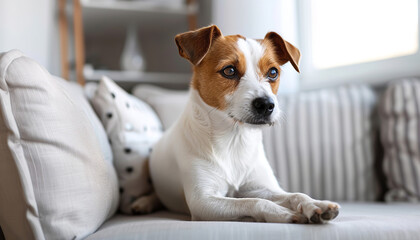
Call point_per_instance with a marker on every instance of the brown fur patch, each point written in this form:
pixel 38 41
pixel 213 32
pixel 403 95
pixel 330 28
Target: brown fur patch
pixel 269 60
pixel 212 86
pixel 209 51
pixel 208 81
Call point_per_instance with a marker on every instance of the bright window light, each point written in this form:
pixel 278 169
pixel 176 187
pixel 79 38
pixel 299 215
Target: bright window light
pixel 348 32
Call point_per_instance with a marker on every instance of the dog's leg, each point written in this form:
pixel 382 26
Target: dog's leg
pixel 214 208
pixel 315 210
pixel 205 195
pixel 146 204
pixel 262 184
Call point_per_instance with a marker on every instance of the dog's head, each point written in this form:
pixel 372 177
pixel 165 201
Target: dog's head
pixel 236 75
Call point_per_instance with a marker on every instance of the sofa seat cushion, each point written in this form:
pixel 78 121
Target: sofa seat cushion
pixel 356 221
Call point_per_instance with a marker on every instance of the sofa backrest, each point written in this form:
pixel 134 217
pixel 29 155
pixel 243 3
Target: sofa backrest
pixel 323 146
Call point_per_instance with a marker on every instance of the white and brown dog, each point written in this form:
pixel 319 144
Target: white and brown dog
pixel 211 162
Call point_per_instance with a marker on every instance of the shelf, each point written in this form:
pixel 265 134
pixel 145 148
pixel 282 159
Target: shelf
pixel 139 77
pixel 142 6
pixel 108 14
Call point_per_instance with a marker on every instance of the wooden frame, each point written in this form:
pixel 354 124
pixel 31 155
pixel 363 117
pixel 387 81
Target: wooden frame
pixel 79 44
pixel 78 40
pixel 192 18
pixel 63 28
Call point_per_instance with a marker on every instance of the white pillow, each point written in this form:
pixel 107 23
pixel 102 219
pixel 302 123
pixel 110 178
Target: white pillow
pixel 168 104
pixel 132 128
pixel 56 174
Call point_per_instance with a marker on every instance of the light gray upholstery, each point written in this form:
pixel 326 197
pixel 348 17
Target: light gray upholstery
pixel 356 221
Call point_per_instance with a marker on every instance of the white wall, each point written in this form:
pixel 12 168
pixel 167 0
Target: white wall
pixel 253 19
pixel 30 26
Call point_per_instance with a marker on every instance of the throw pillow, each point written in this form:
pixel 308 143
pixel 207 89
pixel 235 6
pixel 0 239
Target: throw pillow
pixel 400 135
pixel 132 128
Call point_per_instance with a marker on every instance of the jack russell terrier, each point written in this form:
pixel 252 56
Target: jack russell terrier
pixel 211 162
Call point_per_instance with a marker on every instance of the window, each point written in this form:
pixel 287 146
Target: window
pixel 358 40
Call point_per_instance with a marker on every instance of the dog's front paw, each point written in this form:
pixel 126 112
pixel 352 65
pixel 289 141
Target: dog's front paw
pixel 299 218
pixel 319 211
pixel 285 216
pixel 270 212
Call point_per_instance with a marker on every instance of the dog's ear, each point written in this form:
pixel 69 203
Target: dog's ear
pixel 284 50
pixel 194 45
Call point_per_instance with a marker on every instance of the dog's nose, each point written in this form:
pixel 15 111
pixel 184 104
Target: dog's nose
pixel 263 105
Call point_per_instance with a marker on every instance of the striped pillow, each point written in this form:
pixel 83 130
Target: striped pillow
pixel 400 135
pixel 324 146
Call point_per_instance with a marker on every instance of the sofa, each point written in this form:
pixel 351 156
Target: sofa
pixel 58 177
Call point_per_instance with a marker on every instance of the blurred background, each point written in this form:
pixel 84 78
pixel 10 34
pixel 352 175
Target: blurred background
pixel 342 41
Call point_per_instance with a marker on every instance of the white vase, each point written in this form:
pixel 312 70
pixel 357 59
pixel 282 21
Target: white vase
pixel 132 57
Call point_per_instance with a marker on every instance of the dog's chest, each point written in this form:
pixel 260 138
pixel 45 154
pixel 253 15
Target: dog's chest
pixel 235 159
pixel 234 172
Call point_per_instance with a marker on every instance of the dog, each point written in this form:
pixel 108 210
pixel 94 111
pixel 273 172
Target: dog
pixel 211 163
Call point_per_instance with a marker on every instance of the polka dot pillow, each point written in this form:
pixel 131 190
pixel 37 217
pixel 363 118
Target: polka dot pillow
pixel 132 128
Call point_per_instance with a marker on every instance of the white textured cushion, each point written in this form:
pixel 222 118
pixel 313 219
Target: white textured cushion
pixel 357 221
pixel 400 134
pixel 167 103
pixel 56 174
pixel 325 145
pixel 133 128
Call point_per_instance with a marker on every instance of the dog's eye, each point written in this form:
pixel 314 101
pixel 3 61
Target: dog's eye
pixel 272 74
pixel 229 72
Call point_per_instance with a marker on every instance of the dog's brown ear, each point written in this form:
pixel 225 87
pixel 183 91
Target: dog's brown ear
pixel 194 45
pixel 284 50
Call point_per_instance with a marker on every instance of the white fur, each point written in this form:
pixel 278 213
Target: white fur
pixel 253 84
pixel 214 168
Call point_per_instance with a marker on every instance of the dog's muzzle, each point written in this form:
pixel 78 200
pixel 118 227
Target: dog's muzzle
pixel 262 108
